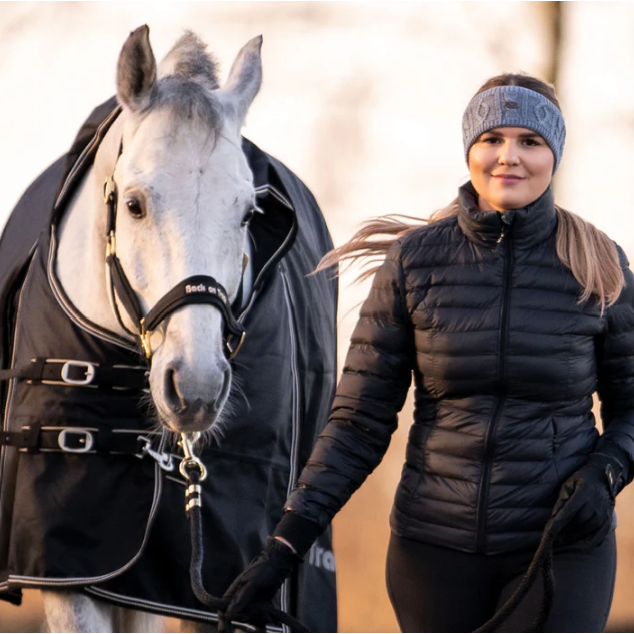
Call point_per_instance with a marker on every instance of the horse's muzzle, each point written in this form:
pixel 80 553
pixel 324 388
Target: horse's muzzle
pixel 194 405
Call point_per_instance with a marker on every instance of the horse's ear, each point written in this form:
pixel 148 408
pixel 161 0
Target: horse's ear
pixel 136 71
pixel 245 79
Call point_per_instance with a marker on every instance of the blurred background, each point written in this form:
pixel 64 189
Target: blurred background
pixel 364 102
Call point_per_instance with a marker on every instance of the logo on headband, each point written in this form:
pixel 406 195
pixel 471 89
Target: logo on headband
pixel 203 288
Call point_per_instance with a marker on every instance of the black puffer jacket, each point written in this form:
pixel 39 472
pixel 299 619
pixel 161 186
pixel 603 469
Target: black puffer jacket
pixel 505 361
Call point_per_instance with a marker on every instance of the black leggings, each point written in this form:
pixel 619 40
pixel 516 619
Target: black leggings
pixel 435 589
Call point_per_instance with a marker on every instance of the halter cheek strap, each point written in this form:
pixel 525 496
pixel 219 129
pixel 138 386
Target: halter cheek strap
pixel 197 289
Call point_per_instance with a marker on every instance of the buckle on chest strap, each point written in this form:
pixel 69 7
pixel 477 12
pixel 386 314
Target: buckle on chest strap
pixel 82 440
pixel 89 372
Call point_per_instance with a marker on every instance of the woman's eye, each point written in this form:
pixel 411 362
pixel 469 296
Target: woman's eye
pixel 248 216
pixel 532 142
pixel 490 139
pixel 135 208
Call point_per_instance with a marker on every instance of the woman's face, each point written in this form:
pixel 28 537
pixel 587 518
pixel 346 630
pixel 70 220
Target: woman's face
pixel 510 168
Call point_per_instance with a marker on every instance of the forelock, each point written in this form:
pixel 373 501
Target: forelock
pixel 187 77
pixel 189 102
pixel 189 58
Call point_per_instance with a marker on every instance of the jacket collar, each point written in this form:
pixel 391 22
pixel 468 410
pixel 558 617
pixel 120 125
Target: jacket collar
pixel 528 226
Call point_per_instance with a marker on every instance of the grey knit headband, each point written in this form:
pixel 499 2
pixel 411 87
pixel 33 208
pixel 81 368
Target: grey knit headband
pixel 514 106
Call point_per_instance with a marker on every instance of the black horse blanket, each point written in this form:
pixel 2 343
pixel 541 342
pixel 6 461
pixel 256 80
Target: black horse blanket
pixel 113 523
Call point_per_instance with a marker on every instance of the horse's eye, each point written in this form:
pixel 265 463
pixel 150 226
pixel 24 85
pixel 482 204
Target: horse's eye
pixel 248 216
pixel 135 208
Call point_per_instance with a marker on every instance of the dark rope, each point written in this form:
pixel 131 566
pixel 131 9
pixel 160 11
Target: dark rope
pixel 549 593
pixel 542 562
pixel 261 614
pixel 258 614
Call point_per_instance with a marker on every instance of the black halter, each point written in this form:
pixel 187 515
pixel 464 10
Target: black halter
pixel 198 289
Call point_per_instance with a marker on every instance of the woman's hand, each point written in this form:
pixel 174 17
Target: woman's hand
pixel 585 506
pixel 262 579
pixel 265 575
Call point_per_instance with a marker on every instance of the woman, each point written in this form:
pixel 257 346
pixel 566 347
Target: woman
pixel 509 312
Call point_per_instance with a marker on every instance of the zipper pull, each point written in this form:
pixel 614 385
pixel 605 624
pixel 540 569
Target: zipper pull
pixel 501 236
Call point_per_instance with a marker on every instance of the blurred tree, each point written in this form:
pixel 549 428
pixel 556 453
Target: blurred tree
pixel 553 17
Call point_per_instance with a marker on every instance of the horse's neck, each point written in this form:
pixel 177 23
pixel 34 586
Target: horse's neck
pixel 81 256
pixel 80 264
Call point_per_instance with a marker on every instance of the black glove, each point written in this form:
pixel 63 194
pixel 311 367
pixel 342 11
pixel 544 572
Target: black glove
pixel 585 506
pixel 267 572
pixel 262 579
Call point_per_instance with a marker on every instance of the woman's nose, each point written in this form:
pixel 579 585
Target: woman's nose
pixel 508 155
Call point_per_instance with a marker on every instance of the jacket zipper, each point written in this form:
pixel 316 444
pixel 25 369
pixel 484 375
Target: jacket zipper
pixel 501 393
pixel 286 588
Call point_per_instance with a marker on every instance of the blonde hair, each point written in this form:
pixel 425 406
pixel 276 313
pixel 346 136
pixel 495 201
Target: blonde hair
pixel 590 255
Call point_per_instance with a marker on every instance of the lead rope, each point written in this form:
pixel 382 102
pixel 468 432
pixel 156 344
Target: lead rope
pixel 542 561
pixel 260 614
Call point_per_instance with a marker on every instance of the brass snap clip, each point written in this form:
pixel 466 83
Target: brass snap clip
pixel 190 461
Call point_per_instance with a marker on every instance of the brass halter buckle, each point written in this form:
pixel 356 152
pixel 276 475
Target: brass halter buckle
pixel 108 188
pixel 234 351
pixel 111 245
pixel 146 339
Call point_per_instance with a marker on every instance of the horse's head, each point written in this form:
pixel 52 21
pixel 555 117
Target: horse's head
pixel 185 195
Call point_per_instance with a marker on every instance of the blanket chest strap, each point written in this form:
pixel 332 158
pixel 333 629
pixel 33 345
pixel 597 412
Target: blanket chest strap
pixel 35 438
pixel 76 373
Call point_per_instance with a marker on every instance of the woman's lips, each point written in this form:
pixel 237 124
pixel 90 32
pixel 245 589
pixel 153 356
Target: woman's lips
pixel 508 178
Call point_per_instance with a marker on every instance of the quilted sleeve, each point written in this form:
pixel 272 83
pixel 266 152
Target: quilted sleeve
pixel 615 360
pixel 371 392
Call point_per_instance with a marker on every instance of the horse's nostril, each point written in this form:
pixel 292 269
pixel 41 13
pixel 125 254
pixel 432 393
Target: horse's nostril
pixel 171 392
pixel 187 398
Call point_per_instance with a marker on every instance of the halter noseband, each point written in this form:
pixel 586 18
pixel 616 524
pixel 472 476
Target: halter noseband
pixel 198 289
